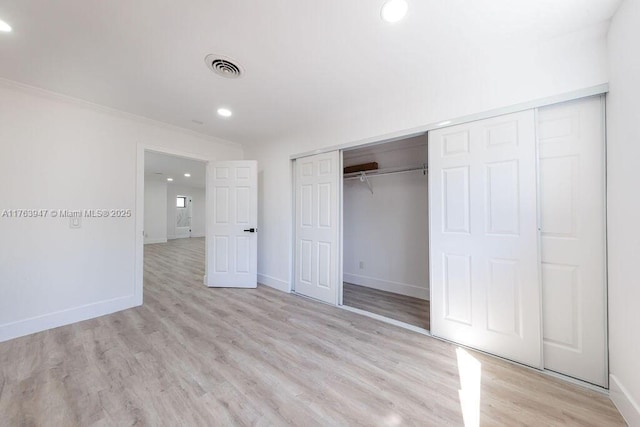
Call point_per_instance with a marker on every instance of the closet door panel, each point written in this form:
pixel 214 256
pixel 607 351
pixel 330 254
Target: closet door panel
pixel 572 204
pixel 484 238
pixel 316 248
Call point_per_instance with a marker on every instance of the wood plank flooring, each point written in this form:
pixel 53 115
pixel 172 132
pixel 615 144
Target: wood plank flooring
pixel 216 357
pixel 413 311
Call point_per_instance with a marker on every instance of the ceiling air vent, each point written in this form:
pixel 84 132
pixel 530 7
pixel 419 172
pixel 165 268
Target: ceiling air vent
pixel 223 66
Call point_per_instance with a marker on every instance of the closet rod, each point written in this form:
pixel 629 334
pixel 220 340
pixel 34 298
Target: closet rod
pixel 387 171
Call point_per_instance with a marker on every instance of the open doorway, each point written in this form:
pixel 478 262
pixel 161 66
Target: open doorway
pixel 385 230
pixel 174 195
pixel 385 237
pixel 174 221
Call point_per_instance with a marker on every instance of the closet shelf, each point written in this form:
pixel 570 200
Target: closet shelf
pixel 386 171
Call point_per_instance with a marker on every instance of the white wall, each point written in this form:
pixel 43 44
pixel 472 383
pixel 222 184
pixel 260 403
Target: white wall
pixel 388 232
pixel 57 153
pixel 155 211
pixel 623 152
pixel 197 209
pixel 494 79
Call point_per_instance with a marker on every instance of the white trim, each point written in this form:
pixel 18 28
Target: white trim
pixel 37 91
pixel 32 325
pixel 387 320
pixel 388 286
pixel 312 299
pixel 139 240
pixel 572 380
pixel 605 296
pixel 292 243
pixel 148 241
pixel 340 225
pixel 421 130
pixel 275 283
pixel 625 403
pixel 172 152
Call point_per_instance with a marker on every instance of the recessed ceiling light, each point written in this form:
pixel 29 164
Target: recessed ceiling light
pixel 187 175
pixel 224 112
pixel 394 10
pixel 444 123
pixel 4 27
pixel 169 179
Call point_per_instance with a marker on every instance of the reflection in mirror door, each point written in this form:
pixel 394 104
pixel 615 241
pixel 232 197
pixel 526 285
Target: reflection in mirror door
pixel 183 216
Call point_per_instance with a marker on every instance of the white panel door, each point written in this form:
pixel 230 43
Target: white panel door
pixel 183 216
pixel 232 240
pixel 572 203
pixel 316 240
pixel 484 237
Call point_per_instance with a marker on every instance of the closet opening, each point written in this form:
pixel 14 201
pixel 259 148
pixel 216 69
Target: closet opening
pixel 385 220
pixel 505 234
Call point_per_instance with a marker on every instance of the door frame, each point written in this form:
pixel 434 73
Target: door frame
pixel 138 288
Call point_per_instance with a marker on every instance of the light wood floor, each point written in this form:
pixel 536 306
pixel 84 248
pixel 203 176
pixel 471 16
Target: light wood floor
pixel 198 356
pixel 413 311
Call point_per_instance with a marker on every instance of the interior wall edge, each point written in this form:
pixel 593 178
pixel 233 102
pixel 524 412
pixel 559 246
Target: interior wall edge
pixel 275 283
pixel 620 396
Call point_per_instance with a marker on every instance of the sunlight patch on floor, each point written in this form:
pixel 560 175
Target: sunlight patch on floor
pixel 470 371
pixel 393 420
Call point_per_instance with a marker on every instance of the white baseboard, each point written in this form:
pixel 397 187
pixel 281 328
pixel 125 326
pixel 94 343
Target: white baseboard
pixel 272 282
pixel 197 235
pixel 625 403
pixel 180 237
pixel 148 241
pixel 385 285
pixel 32 325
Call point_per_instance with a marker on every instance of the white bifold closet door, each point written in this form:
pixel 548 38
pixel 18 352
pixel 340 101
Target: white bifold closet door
pixel 316 233
pixel 484 236
pixel 572 205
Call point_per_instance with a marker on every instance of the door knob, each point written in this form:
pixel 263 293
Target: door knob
pixel 250 230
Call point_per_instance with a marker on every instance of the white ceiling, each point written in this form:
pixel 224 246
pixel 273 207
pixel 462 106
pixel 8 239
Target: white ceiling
pixel 306 61
pixel 159 167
